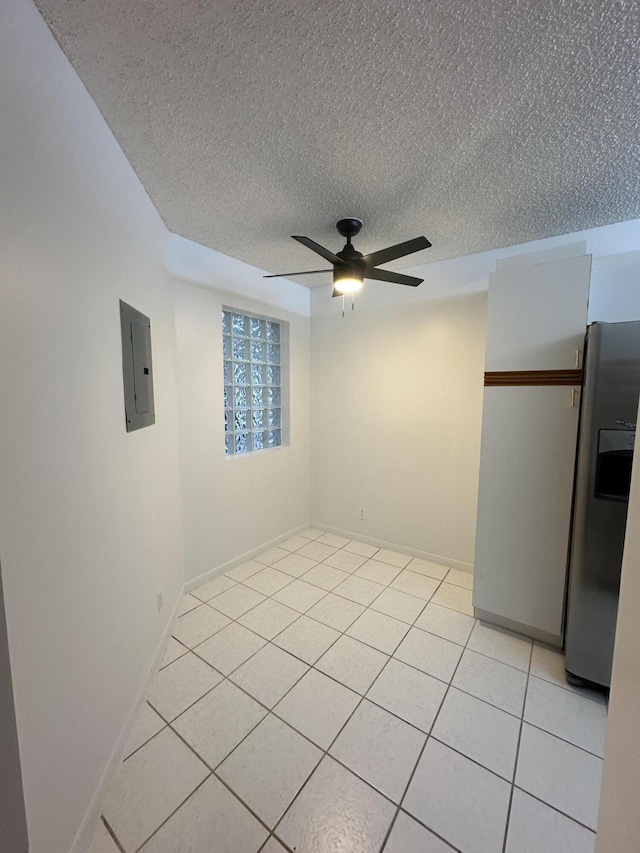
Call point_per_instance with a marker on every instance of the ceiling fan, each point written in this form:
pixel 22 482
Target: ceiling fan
pixel 350 267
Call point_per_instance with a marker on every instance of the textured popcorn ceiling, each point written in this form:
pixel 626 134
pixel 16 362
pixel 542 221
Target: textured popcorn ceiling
pixel 479 124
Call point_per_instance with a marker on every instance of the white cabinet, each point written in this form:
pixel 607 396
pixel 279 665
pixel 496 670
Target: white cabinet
pixel 536 322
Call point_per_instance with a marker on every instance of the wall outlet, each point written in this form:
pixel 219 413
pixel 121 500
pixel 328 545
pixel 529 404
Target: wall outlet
pixel 363 514
pixel 159 594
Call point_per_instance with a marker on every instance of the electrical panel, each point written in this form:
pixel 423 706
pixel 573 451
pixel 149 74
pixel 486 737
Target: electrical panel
pixel 137 369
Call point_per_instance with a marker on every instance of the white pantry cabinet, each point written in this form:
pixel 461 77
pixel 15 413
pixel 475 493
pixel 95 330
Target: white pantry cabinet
pixel 536 322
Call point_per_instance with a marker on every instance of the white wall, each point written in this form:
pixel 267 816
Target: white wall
pixel 232 505
pixel 615 288
pixel 396 408
pixel 89 515
pixel 619 819
pixel 397 392
pixel 196 264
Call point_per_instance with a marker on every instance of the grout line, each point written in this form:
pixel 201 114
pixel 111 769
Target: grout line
pixel 515 765
pixel 452 609
pixel 235 621
pixel 206 693
pixel 324 752
pixel 195 606
pixel 223 674
pixel 212 771
pixel 327 753
pixel 424 746
pixel 361 697
pixel 392 713
pixel 469 758
pixel 168 818
pixel 518 669
pixel 391 825
pixel 228 677
pixel 224 677
pixel 321 563
pixel 386 587
pixel 186 649
pixel 389 656
pixel 212 768
pixel 423 601
pixel 262 705
pixel 564 740
pixel 327 592
pixel 495 660
pixel 278 841
pixel 484 701
pixel 253 698
pixel 292 581
pixel 253 607
pixel 571 690
pixel 145 702
pixel 238 797
pixel 341 633
pixel 555 809
pixel 112 834
pixel 448 844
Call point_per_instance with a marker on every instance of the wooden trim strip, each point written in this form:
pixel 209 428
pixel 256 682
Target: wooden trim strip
pixel 532 377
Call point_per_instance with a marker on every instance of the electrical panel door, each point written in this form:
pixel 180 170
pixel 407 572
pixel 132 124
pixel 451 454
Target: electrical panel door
pixel 137 369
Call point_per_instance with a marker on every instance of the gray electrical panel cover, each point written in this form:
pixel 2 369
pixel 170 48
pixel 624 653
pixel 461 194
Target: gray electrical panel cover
pixel 136 368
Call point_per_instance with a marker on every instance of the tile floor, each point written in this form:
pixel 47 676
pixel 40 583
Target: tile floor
pixel 329 696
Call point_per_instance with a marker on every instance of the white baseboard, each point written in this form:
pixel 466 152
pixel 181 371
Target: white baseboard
pixel 555 640
pixel 90 820
pixel 391 546
pixel 194 583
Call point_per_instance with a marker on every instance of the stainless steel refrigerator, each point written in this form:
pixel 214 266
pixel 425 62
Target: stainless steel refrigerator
pixel 608 412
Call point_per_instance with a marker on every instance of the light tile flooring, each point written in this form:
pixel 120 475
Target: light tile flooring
pixel 329 696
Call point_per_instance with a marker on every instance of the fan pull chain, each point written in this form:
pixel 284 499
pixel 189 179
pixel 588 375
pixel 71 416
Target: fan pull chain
pixel 343 304
pixel 353 301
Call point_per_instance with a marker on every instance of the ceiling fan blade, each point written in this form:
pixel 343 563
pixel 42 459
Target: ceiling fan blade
pixel 397 251
pixel 393 277
pixel 318 249
pixel 288 274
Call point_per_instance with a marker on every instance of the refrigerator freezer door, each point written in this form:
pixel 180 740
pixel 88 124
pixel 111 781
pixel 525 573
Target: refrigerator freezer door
pixel 605 451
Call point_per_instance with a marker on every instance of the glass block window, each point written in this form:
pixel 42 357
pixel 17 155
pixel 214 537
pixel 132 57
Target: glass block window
pixel 252 382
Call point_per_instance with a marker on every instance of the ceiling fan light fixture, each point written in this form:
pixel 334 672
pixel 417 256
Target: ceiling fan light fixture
pixel 348 280
pixel 351 267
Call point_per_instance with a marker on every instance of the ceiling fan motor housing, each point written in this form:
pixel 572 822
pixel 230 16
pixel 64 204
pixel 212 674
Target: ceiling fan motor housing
pixel 349 227
pixel 351 256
